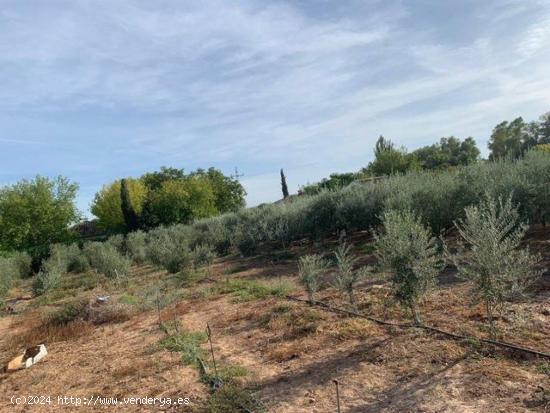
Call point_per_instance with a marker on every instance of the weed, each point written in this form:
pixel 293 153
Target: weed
pixel 544 368
pixel 128 299
pixel 186 343
pixel 233 398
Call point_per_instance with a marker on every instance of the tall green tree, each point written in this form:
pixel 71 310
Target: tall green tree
pixel 284 187
pixel 382 145
pixel 228 192
pixel 391 161
pixel 180 201
pixel 107 204
pixel 447 152
pixel 128 212
pixel 509 139
pixel 35 213
pixel 334 182
pixel 154 180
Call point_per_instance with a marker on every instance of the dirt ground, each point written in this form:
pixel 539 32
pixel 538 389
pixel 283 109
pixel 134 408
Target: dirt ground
pixel 293 352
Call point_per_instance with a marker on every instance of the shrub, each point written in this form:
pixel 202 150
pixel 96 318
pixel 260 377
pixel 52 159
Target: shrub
pixel 67 258
pixel 215 231
pixel 187 343
pixel 109 312
pixel 203 255
pixel 47 280
pixel 310 268
pixel 23 263
pixel 408 250
pixel 118 242
pixel 68 313
pixel 136 245
pixel 106 259
pixel 233 398
pixel 252 229
pixel 78 263
pixel 16 265
pixel 497 266
pixel 168 248
pixel 347 276
pixel 7 271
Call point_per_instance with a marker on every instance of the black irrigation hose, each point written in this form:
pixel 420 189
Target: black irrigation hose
pixel 424 327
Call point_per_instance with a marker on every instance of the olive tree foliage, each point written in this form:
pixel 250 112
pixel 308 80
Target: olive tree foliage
pixel 407 249
pixel 106 259
pixel 347 275
pixel 66 258
pixel 35 213
pixel 136 245
pixel 168 248
pixel 496 264
pixel 311 268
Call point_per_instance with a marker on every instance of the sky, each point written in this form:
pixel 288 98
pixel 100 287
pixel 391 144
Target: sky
pixel 103 89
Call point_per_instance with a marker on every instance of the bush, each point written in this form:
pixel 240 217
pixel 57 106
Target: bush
pixel 47 280
pixel 136 245
pixel 23 262
pixel 408 250
pixel 203 255
pixel 109 312
pixel 347 276
pixel 216 232
pixel 78 263
pixel 233 398
pixel 311 267
pixel 7 271
pixel 67 258
pixel 106 259
pixel 118 242
pixel 68 313
pixel 187 344
pixel 496 264
pixel 168 248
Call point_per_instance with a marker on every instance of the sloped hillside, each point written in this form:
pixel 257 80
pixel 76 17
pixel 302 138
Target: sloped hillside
pixel 273 354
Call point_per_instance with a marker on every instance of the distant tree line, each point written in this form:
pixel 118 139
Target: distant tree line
pixel 41 211
pixel 508 140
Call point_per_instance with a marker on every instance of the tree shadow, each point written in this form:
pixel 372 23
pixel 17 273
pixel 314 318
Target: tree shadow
pixel 321 372
pixel 402 397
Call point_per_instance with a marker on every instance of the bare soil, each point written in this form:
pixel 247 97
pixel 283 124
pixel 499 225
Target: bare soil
pixel 293 352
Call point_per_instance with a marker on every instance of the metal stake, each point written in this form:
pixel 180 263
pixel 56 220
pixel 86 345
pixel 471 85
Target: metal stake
pixel 209 334
pixel 336 382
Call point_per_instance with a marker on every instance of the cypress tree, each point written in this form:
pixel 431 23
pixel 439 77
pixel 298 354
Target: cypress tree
pixel 130 216
pixel 284 187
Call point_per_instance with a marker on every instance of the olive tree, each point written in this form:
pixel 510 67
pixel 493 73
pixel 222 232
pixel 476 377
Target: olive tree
pixel 310 268
pixel 346 275
pixel 498 267
pixel 408 250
